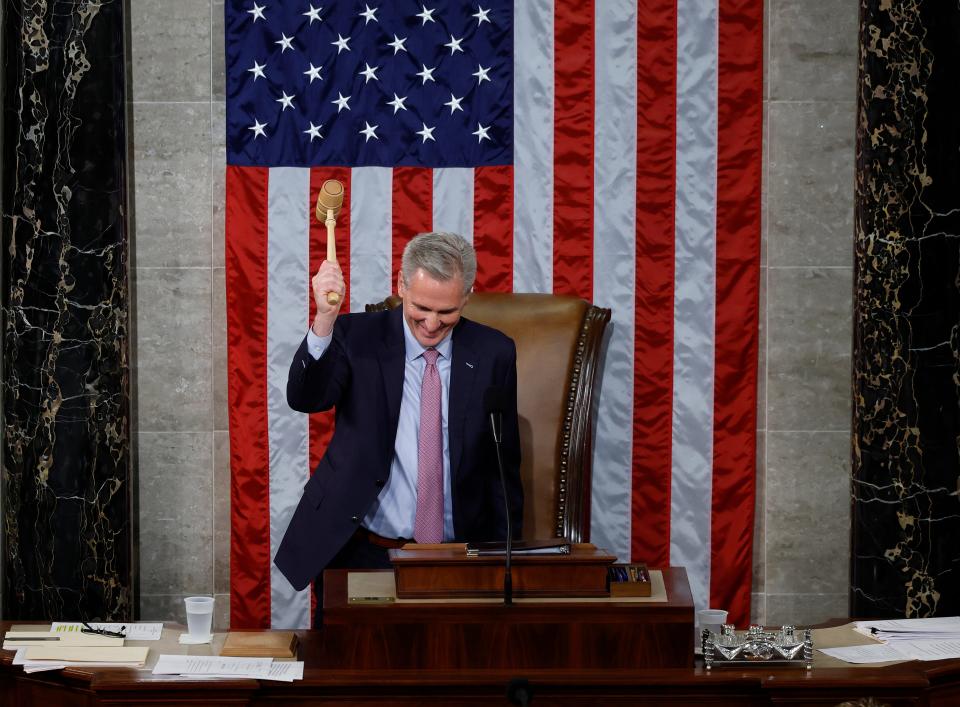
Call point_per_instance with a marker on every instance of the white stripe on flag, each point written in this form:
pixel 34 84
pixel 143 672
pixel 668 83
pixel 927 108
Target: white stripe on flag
pixel 614 253
pixel 694 293
pixel 453 201
pixel 288 251
pixel 371 228
pixel 533 146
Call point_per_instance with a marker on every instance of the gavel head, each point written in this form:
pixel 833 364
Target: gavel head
pixel 330 197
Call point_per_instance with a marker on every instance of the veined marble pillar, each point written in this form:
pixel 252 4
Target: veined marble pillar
pixel 67 532
pixel 906 359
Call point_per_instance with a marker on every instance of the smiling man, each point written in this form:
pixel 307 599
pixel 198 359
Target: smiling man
pixel 412 457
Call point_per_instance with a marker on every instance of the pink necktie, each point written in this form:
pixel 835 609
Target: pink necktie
pixel 428 523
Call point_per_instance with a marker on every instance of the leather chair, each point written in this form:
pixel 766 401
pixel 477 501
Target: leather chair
pixel 558 342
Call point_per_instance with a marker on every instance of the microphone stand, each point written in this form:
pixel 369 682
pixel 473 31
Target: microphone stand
pixel 507 572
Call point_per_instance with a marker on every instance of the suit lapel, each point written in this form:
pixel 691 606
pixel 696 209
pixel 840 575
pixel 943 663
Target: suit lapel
pixel 462 374
pixel 391 356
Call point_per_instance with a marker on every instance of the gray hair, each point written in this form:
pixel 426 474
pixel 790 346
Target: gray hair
pixel 443 256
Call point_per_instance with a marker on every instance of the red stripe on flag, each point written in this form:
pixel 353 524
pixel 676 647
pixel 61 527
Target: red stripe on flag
pixel 412 208
pixel 653 338
pixel 739 129
pixel 573 149
pixel 493 227
pixel 246 279
pixel 321 424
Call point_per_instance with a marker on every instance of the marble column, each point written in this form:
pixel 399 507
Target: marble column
pixel 67 532
pixel 906 358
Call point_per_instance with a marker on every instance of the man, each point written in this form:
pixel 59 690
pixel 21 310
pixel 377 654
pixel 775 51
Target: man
pixel 412 456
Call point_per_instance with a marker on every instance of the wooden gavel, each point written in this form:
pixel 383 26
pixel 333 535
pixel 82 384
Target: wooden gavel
pixel 329 202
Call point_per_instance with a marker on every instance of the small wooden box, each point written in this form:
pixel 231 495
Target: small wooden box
pixel 631 580
pixel 260 644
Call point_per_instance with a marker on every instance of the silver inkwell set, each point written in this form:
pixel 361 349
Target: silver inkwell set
pixel 754 646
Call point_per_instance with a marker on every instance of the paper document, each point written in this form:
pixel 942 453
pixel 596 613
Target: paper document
pixel 229 667
pixel 931 650
pixel 213 665
pixel 876 653
pixel 896 650
pixel 134 631
pixel 34 667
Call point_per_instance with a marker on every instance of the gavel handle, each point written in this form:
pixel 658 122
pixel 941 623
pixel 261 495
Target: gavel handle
pixel 332 297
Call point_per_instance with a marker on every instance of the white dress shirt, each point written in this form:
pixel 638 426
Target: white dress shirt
pixel 392 514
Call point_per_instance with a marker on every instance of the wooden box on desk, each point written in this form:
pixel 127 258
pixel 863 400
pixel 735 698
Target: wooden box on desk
pixel 604 633
pixel 448 572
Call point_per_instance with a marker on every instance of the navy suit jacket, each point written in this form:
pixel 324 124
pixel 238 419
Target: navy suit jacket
pixel 361 375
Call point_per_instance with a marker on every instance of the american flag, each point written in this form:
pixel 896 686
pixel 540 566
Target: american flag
pixel 607 149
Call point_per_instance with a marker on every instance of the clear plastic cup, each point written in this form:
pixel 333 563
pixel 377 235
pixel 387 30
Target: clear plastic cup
pixel 713 619
pixel 199 616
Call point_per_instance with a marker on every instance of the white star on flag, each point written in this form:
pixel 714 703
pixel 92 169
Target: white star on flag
pixel 370 131
pixel 426 15
pixel 454 104
pixel 454 45
pixel 397 103
pixel 397 44
pixel 313 72
pixel 314 14
pixel 285 42
pixel 258 70
pixel 481 74
pixel 427 74
pixel 257 128
pixel 341 43
pixel 369 14
pixel 370 72
pixel 427 133
pixel 481 15
pixel 286 101
pixel 481 133
pixel 341 102
pixel 257 12
pixel 314 131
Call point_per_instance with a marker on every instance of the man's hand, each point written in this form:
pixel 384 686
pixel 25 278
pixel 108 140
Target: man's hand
pixel 329 278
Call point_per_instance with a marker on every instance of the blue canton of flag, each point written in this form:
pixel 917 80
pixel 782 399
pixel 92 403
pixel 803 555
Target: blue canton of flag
pixel 387 83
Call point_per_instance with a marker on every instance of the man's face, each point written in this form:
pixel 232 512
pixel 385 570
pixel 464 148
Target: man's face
pixel 431 307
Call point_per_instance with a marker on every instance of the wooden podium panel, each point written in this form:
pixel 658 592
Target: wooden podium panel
pixel 567 634
pixel 450 573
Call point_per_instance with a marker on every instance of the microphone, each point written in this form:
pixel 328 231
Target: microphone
pixel 494 402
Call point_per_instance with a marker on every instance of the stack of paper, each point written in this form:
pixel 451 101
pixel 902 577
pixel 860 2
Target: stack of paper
pixel 66 644
pixel 940 628
pixel 37 658
pixel 213 666
pixel 904 639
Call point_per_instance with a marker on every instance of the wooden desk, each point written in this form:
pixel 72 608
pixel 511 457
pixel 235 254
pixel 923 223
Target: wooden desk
pixel 916 684
pixel 344 673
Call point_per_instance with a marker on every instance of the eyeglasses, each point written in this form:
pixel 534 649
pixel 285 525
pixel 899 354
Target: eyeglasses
pixel 87 628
